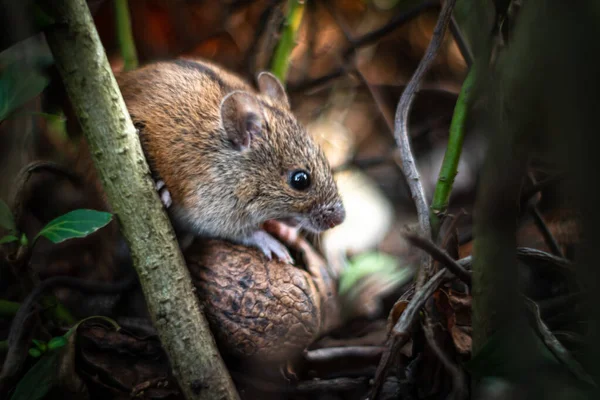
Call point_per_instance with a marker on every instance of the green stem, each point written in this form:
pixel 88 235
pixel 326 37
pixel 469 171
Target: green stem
pixel 281 59
pixel 126 42
pixel 449 168
pixel 8 308
pixel 3 346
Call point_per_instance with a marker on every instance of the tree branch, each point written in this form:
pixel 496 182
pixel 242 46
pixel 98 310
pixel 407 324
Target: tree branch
pixel 125 176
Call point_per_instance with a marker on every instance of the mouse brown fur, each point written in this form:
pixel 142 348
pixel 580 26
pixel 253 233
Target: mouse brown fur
pixel 227 152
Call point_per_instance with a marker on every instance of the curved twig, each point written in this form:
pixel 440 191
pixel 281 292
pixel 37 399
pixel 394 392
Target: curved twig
pixel 459 389
pixel 440 256
pixel 526 254
pixel 559 351
pixel 401 331
pixel 461 42
pixel 364 40
pixel 16 201
pixel 303 387
pixel 401 134
pixel 329 353
pixel 541 225
pixel 17 347
pixel 395 23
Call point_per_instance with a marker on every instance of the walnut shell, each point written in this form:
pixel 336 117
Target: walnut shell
pixel 257 308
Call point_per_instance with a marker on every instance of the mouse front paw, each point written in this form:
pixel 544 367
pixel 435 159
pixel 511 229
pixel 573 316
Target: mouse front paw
pixel 269 246
pixel 165 196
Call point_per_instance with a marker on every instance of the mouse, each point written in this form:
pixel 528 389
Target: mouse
pixel 228 157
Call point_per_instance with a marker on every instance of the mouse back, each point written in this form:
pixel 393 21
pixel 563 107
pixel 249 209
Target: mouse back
pixel 231 156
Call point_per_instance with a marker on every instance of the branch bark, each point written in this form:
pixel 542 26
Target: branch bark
pixel 413 178
pixel 125 176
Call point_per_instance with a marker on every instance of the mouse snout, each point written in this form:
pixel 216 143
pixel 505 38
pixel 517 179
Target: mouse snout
pixel 331 215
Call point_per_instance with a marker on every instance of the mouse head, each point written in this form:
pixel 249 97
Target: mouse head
pixel 284 174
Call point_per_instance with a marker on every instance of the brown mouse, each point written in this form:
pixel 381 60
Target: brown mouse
pixel 231 157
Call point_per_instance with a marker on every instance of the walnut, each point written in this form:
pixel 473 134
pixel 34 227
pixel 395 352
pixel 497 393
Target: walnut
pixel 262 309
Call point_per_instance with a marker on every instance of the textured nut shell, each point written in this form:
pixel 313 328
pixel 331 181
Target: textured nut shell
pixel 257 308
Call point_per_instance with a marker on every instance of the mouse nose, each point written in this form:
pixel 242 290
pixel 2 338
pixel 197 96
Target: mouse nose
pixel 334 215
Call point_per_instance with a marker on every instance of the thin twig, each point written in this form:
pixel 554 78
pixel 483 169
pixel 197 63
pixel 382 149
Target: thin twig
pixel 362 41
pixel 401 332
pixel 17 197
pixel 559 351
pixel 450 229
pixel 402 136
pixel 395 23
pixel 269 21
pixel 526 254
pixel 314 83
pixel 538 187
pixel 459 390
pixel 19 327
pixel 381 106
pixel 552 306
pixel 539 222
pixel 331 385
pixel 462 44
pixel 365 163
pixel 545 231
pixel 312 386
pixel 327 354
pixel 440 256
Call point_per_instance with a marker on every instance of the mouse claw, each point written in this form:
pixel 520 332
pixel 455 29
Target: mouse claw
pixel 165 196
pixel 269 246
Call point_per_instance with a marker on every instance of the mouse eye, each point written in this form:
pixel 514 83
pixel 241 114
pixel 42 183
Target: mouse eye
pixel 300 180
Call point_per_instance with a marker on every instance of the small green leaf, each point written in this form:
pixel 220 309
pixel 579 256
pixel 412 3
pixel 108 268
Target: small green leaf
pixel 8 239
pixel 74 224
pixel 39 379
pixel 7 220
pixel 41 345
pixel 19 84
pixel 8 308
pixel 57 342
pixel 369 264
pixel 76 326
pixel 24 241
pixel 35 353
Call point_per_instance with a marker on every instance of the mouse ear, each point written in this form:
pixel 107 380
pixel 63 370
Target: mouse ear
pixel 241 117
pixel 269 85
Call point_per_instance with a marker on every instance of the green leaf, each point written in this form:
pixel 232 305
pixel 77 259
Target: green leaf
pixel 8 308
pixel 372 263
pixel 8 239
pixel 24 241
pixel 41 345
pixel 7 220
pixel 35 353
pixel 39 379
pixel 74 224
pixel 76 326
pixel 57 342
pixel 18 84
